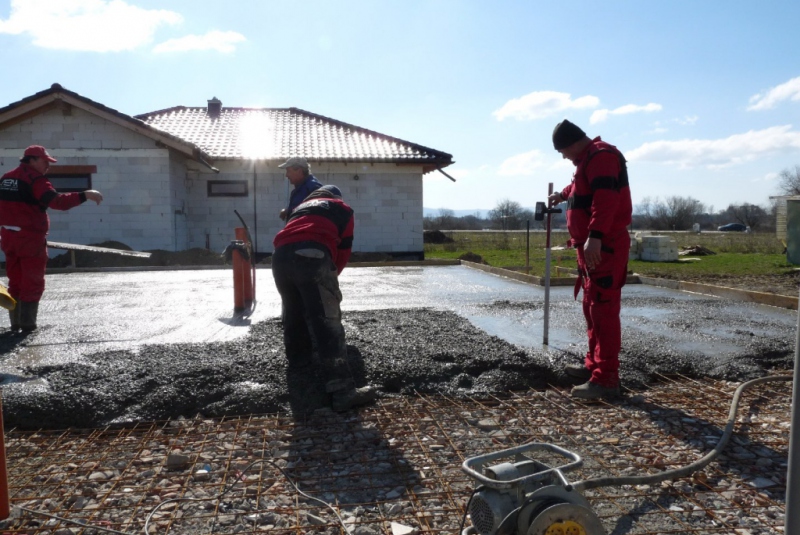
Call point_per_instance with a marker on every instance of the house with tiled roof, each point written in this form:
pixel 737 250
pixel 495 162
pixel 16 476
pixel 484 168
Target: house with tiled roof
pixel 172 178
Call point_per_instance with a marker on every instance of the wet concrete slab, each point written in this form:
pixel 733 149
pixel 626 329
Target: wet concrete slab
pixel 157 344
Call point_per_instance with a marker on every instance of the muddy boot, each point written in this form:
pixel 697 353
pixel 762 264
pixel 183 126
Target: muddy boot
pixel 13 318
pixel 344 400
pixel 27 315
pixel 579 372
pixel 338 385
pixel 592 390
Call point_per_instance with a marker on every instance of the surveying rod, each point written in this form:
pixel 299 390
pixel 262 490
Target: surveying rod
pixel 541 210
pixel 792 519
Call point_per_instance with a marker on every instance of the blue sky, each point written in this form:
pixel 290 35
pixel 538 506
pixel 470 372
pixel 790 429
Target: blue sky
pixel 702 97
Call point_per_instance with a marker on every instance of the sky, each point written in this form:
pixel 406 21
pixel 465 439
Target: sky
pixel 703 98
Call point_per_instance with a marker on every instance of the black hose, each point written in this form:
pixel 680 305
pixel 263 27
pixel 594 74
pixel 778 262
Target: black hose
pixel 690 468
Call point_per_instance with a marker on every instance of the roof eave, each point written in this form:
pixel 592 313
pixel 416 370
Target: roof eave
pixel 56 94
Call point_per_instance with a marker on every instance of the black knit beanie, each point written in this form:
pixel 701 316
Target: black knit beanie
pixel 565 134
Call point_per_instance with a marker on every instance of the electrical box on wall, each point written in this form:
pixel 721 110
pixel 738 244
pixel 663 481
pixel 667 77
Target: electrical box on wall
pixel 793 231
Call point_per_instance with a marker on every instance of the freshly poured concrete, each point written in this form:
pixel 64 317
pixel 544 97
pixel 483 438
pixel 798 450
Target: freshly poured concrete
pixel 158 344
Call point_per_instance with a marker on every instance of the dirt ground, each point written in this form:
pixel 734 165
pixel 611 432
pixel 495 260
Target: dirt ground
pixel 788 284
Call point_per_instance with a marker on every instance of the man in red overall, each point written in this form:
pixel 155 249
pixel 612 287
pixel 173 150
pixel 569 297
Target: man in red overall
pixel 25 196
pixel 598 213
pixel 310 253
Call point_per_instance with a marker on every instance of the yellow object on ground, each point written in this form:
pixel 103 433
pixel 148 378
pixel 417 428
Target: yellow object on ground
pixel 6 301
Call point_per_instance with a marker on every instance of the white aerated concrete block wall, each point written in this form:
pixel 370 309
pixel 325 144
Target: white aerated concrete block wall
pixel 386 200
pixel 132 173
pixel 658 249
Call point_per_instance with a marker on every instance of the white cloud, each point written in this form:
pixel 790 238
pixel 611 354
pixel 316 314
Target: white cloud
pixel 769 177
pixel 687 121
pixel 213 40
pixel 719 153
pixel 85 25
pixel 522 164
pixel 786 91
pixel 601 115
pixel 541 104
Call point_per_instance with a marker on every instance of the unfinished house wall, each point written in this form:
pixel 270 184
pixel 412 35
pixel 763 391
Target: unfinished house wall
pixel 132 173
pixel 211 219
pixel 177 187
pixel 386 199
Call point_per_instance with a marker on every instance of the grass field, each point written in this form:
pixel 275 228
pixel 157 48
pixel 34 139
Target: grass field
pixel 738 253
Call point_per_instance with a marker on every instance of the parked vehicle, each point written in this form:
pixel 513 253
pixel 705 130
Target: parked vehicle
pixel 733 227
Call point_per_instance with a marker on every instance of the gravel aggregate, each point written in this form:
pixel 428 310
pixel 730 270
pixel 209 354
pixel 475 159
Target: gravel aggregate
pixel 402 351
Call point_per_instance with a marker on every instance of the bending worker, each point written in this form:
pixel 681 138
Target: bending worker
pixel 310 253
pixel 25 196
pixel 298 173
pixel 598 213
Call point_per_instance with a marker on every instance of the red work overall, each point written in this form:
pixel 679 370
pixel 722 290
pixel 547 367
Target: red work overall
pixel 599 206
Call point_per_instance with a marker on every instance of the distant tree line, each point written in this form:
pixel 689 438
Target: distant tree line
pixel 670 213
pixel 507 215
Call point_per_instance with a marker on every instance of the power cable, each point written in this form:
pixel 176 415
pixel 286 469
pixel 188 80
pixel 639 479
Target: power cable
pixel 690 468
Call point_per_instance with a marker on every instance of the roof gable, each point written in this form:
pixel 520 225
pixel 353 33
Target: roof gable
pixel 57 96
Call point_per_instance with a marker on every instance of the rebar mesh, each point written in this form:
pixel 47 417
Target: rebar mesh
pixel 400 461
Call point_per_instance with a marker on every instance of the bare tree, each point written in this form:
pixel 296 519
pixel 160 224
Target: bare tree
pixel 673 213
pixel 446 219
pixel 747 214
pixel 789 181
pixel 507 215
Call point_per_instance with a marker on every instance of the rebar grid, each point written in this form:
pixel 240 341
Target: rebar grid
pixel 400 461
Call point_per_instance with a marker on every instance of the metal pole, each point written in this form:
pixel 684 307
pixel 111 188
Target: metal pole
pixel 255 215
pixel 546 338
pixel 792 519
pixel 528 247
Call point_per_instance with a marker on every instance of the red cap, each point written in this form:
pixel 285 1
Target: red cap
pixel 39 152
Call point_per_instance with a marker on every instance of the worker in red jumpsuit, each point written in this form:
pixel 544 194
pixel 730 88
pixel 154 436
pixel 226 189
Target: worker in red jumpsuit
pixel 598 214
pixel 25 196
pixel 310 253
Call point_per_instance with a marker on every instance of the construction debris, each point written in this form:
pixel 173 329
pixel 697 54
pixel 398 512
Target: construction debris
pixel 695 250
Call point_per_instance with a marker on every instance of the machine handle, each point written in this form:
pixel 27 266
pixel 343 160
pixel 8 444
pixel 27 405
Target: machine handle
pixel 473 465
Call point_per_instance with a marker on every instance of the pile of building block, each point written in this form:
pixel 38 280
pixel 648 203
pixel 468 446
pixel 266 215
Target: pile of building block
pixel 654 249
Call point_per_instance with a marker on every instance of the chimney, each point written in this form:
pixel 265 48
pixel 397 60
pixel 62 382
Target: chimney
pixel 214 107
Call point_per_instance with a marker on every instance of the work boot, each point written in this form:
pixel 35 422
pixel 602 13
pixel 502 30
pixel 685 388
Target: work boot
pixel 338 385
pixel 590 390
pixel 344 400
pixel 13 318
pixel 578 372
pixel 27 315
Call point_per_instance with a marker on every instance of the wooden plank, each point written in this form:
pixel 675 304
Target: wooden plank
pixel 93 249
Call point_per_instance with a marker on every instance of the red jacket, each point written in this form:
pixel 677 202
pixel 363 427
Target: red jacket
pixel 25 196
pixel 599 198
pixel 326 221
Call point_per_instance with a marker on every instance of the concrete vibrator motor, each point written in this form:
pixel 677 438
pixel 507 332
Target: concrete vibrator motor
pixel 524 496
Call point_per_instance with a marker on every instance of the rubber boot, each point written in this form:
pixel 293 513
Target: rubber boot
pixel 344 397
pixel 344 400
pixel 27 315
pixel 13 318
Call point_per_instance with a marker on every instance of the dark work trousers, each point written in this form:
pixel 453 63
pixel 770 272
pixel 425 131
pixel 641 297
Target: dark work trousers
pixel 26 260
pixel 602 293
pixel 308 283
